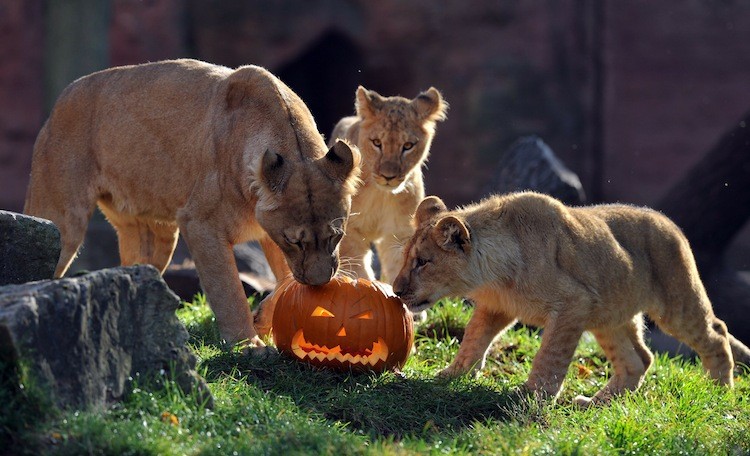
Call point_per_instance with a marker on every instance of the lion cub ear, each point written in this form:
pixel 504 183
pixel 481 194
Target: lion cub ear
pixel 274 171
pixel 451 234
pixel 430 105
pixel 341 162
pixel 429 208
pixel 368 102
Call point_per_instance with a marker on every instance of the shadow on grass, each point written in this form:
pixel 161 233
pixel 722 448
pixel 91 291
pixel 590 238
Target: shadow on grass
pixel 381 405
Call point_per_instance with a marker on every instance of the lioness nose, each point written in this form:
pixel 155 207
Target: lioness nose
pixel 388 177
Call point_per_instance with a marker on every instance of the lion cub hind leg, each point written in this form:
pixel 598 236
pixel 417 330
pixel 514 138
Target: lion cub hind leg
pixel 705 334
pixel 630 358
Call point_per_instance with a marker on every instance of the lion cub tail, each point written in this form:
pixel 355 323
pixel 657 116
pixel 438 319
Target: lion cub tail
pixel 740 351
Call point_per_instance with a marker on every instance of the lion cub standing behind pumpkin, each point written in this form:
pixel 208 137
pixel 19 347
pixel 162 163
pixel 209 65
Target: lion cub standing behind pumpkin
pixel 393 135
pixel 526 256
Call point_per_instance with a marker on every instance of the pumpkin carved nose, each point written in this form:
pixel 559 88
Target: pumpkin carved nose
pixel 342 332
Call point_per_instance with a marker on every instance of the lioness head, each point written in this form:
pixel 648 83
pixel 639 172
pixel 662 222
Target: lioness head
pixel 304 207
pixel 395 133
pixel 436 257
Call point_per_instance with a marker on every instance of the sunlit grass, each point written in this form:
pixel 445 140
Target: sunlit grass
pixel 279 406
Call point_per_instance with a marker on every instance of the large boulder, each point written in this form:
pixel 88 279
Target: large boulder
pixel 83 339
pixel 530 164
pixel 29 248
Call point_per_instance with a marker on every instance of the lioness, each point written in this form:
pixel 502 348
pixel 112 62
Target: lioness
pixel 222 156
pixel 526 256
pixel 394 136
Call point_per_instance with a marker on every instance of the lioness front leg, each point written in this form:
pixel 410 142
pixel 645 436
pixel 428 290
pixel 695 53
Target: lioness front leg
pixel 485 324
pixel 216 267
pixel 559 341
pixel 263 318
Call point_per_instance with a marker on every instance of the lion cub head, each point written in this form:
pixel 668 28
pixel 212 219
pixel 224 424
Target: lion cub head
pixel 395 134
pixel 436 258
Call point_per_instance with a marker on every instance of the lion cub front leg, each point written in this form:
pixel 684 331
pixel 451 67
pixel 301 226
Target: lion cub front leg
pixel 559 341
pixel 355 255
pixel 485 324
pixel 216 267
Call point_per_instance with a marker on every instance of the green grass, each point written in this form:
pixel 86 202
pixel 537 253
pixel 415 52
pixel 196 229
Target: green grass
pixel 279 406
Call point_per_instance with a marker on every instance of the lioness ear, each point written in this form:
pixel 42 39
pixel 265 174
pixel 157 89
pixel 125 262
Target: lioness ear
pixel 430 105
pixel 429 208
pixel 341 161
pixel 368 102
pixel 274 171
pixel 452 235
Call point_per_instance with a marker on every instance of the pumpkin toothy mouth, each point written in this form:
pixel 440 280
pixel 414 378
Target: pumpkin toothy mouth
pixel 304 349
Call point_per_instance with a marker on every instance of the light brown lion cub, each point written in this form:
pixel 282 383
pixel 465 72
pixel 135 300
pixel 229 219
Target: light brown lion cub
pixel 526 256
pixel 393 135
pixel 222 156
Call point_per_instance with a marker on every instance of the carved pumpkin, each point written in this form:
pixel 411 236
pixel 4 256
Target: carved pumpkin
pixel 345 324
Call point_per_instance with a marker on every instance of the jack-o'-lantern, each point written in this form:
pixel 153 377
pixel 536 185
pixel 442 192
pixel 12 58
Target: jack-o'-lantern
pixel 344 324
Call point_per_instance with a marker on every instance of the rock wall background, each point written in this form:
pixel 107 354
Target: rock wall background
pixel 628 94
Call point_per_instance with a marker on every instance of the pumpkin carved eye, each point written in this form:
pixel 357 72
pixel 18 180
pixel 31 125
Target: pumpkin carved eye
pixel 321 312
pixel 366 315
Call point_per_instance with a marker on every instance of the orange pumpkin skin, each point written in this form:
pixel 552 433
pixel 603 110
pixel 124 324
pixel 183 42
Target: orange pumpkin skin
pixel 345 324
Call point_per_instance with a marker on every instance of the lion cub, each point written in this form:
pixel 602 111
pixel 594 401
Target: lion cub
pixel 393 135
pixel 527 257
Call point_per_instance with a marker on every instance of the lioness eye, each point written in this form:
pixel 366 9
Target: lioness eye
pixel 376 142
pixel 408 146
pixel 421 262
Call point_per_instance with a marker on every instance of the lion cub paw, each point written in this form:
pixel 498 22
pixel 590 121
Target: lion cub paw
pixel 452 371
pixel 585 402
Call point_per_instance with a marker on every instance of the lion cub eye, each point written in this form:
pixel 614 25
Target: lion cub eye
pixel 376 142
pixel 321 312
pixel 408 146
pixel 420 262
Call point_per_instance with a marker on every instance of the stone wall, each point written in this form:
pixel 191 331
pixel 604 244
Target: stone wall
pixel 628 94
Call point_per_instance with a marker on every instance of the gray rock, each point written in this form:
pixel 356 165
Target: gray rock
pixel 29 248
pixel 529 164
pixel 83 339
pixel 251 259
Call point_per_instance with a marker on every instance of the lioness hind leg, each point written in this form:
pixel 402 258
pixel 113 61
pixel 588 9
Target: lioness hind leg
pixel 142 241
pixel 708 336
pixel 70 217
pixel 630 358
pixel 164 240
